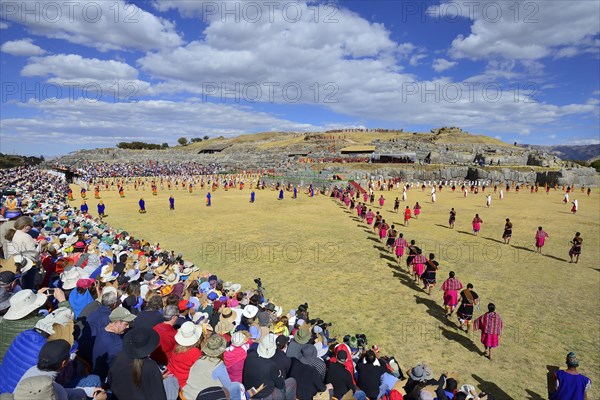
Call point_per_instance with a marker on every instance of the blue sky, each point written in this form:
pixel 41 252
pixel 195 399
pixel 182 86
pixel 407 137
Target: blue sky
pixel 94 73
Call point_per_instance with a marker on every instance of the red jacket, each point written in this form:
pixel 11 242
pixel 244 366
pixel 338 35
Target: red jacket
pixel 166 345
pixel 181 363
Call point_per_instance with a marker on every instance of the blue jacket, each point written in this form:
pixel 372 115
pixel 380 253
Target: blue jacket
pixel 21 355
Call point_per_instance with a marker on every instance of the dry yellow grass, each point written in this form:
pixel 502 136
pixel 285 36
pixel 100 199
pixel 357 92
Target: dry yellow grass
pixel 311 249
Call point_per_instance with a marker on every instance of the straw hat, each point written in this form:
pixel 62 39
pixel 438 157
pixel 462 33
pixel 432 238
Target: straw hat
pixel 189 334
pixel 143 264
pixel 227 314
pixel 224 327
pixel 172 278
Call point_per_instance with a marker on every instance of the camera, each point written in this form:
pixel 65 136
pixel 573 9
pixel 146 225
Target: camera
pixel 321 323
pixel 361 340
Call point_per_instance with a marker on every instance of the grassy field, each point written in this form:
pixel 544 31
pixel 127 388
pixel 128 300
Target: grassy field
pixel 312 249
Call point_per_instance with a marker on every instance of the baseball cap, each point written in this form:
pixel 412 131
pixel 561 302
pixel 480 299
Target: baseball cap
pixel 85 283
pixel 121 314
pixel 184 305
pixel 7 277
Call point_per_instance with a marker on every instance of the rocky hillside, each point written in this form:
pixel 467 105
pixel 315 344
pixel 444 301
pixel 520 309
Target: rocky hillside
pixel 448 153
pixel 587 153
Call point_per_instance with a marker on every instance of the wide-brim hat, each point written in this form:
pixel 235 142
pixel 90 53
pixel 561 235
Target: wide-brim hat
pixel 238 339
pixel 188 334
pixel 303 334
pixel 5 296
pixel 227 314
pixel 200 317
pixel 224 327
pixel 107 273
pixel 267 346
pixel 214 346
pixel 35 388
pixel 308 354
pixel 24 302
pixel 25 262
pixel 250 311
pixel 235 287
pixel 133 274
pixel 466 389
pixel 140 342
pixel 421 373
pixel 172 278
pixel 70 277
pixel 143 264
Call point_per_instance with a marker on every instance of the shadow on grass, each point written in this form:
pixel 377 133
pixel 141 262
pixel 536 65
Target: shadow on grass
pixel 533 395
pixel 435 310
pixel 373 239
pixel 442 226
pixel 493 240
pixel 491 388
pixel 466 233
pixel 386 256
pixel 369 231
pixel 555 258
pixel 464 341
pixel 524 248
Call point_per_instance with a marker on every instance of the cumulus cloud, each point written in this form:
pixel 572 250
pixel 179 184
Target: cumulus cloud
pixel 104 25
pixel 523 30
pixel 99 123
pixel 23 47
pixel 441 64
pixel 73 66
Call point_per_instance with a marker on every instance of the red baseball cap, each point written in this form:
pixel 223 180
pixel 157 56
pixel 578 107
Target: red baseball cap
pixel 185 305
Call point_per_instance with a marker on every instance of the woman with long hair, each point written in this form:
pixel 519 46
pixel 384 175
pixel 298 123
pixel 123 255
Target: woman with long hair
pixel 186 352
pixel 133 374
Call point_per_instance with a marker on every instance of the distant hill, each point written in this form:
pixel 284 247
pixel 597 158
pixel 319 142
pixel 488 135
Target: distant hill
pixel 577 153
pixel 12 160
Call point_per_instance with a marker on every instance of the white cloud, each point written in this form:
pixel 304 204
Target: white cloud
pixel 441 64
pixel 523 30
pixel 104 25
pixel 566 52
pixel 23 47
pixel 3 25
pixel 73 66
pixel 582 142
pixel 369 81
pixel 415 60
pixel 60 121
